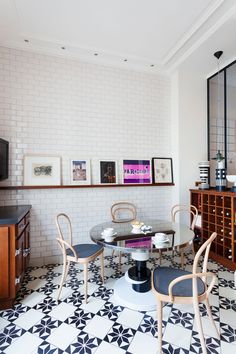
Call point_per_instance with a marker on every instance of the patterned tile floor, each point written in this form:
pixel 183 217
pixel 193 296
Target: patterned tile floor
pixel 40 324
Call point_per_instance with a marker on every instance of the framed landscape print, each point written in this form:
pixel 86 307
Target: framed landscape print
pixel 162 170
pixel 42 170
pixel 136 171
pixel 80 171
pixel 108 172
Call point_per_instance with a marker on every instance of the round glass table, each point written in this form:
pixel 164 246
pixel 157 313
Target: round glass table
pixel 134 289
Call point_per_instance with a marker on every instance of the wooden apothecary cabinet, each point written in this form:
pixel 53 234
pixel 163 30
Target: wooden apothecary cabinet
pixel 14 251
pixel 217 213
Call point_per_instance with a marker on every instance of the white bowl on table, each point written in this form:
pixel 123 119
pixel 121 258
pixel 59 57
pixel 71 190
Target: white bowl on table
pixel 160 237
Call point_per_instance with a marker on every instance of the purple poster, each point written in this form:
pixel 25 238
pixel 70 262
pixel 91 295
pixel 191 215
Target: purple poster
pixel 137 171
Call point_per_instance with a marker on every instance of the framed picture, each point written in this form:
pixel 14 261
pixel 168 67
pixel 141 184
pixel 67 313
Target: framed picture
pixel 137 171
pixel 80 171
pixel 42 170
pixel 162 170
pixel 108 172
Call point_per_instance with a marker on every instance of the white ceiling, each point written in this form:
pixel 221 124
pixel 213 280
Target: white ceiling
pixel 144 34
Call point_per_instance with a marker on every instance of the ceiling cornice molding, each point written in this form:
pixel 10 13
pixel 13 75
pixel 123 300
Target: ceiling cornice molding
pixel 212 29
pixel 98 61
pixel 187 36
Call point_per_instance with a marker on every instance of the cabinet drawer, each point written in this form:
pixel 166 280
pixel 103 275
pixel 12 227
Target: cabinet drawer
pixel 20 227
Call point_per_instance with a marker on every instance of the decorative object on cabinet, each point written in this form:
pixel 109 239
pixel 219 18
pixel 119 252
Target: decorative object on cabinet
pixel 14 251
pixel 162 170
pixel 42 170
pixel 108 172
pixel 80 171
pixel 217 210
pixel 204 167
pixel 232 179
pixel 136 171
pixel 220 172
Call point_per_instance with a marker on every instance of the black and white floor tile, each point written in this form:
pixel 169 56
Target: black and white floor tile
pixel 38 323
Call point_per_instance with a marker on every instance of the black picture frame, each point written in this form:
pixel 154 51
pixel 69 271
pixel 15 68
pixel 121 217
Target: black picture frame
pixel 108 172
pixel 162 170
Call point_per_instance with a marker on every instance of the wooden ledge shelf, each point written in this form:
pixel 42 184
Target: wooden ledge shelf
pixel 86 186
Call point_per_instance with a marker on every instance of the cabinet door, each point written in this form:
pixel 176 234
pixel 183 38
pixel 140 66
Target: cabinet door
pixel 4 262
pixel 19 260
pixel 26 251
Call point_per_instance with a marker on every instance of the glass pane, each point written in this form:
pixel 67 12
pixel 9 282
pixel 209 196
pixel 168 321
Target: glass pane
pixel 216 121
pixel 231 119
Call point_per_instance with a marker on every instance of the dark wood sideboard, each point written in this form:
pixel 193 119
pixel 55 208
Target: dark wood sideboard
pixel 14 251
pixel 217 211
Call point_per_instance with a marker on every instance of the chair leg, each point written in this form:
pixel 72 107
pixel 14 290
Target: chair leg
pixel 211 318
pixel 119 260
pixel 182 257
pixel 85 282
pixel 63 278
pixel 160 256
pixel 159 325
pixel 67 269
pixel 102 267
pixel 193 250
pixel 199 325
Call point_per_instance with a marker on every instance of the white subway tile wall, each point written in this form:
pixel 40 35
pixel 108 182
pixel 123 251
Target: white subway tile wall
pixel 72 109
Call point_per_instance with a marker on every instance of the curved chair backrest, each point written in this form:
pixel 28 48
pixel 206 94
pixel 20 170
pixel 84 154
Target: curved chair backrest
pixel 63 218
pixel 185 208
pixel 205 247
pixel 121 208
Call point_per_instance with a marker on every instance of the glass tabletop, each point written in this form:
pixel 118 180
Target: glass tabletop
pixel 127 241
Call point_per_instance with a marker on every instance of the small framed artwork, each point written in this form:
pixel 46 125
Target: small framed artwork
pixel 137 171
pixel 108 172
pixel 42 170
pixel 162 170
pixel 80 171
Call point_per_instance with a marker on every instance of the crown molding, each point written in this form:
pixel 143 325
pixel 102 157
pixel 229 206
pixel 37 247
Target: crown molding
pixel 206 35
pixel 186 37
pixel 89 58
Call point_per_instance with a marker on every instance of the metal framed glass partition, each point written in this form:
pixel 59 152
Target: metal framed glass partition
pixel 221 106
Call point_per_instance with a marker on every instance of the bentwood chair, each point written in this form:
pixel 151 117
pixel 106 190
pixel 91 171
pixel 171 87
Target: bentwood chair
pixel 80 253
pixel 179 286
pixel 122 212
pixel 192 210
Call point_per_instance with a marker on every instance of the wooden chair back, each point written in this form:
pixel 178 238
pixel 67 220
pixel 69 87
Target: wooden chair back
pixel 123 208
pixel 205 247
pixel 64 242
pixel 185 208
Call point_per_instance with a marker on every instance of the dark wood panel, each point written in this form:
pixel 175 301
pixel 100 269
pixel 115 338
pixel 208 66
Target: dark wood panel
pixel 4 262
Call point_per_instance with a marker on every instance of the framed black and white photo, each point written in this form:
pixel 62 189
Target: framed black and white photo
pixel 162 170
pixel 42 170
pixel 80 171
pixel 108 172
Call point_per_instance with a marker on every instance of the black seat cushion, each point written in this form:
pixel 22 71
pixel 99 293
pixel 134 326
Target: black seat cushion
pixel 84 250
pixel 163 276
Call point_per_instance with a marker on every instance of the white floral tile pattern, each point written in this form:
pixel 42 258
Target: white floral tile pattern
pixel 102 326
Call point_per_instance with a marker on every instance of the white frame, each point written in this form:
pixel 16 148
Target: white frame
pixel 116 171
pixel 88 172
pixel 31 180
pixel 123 175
